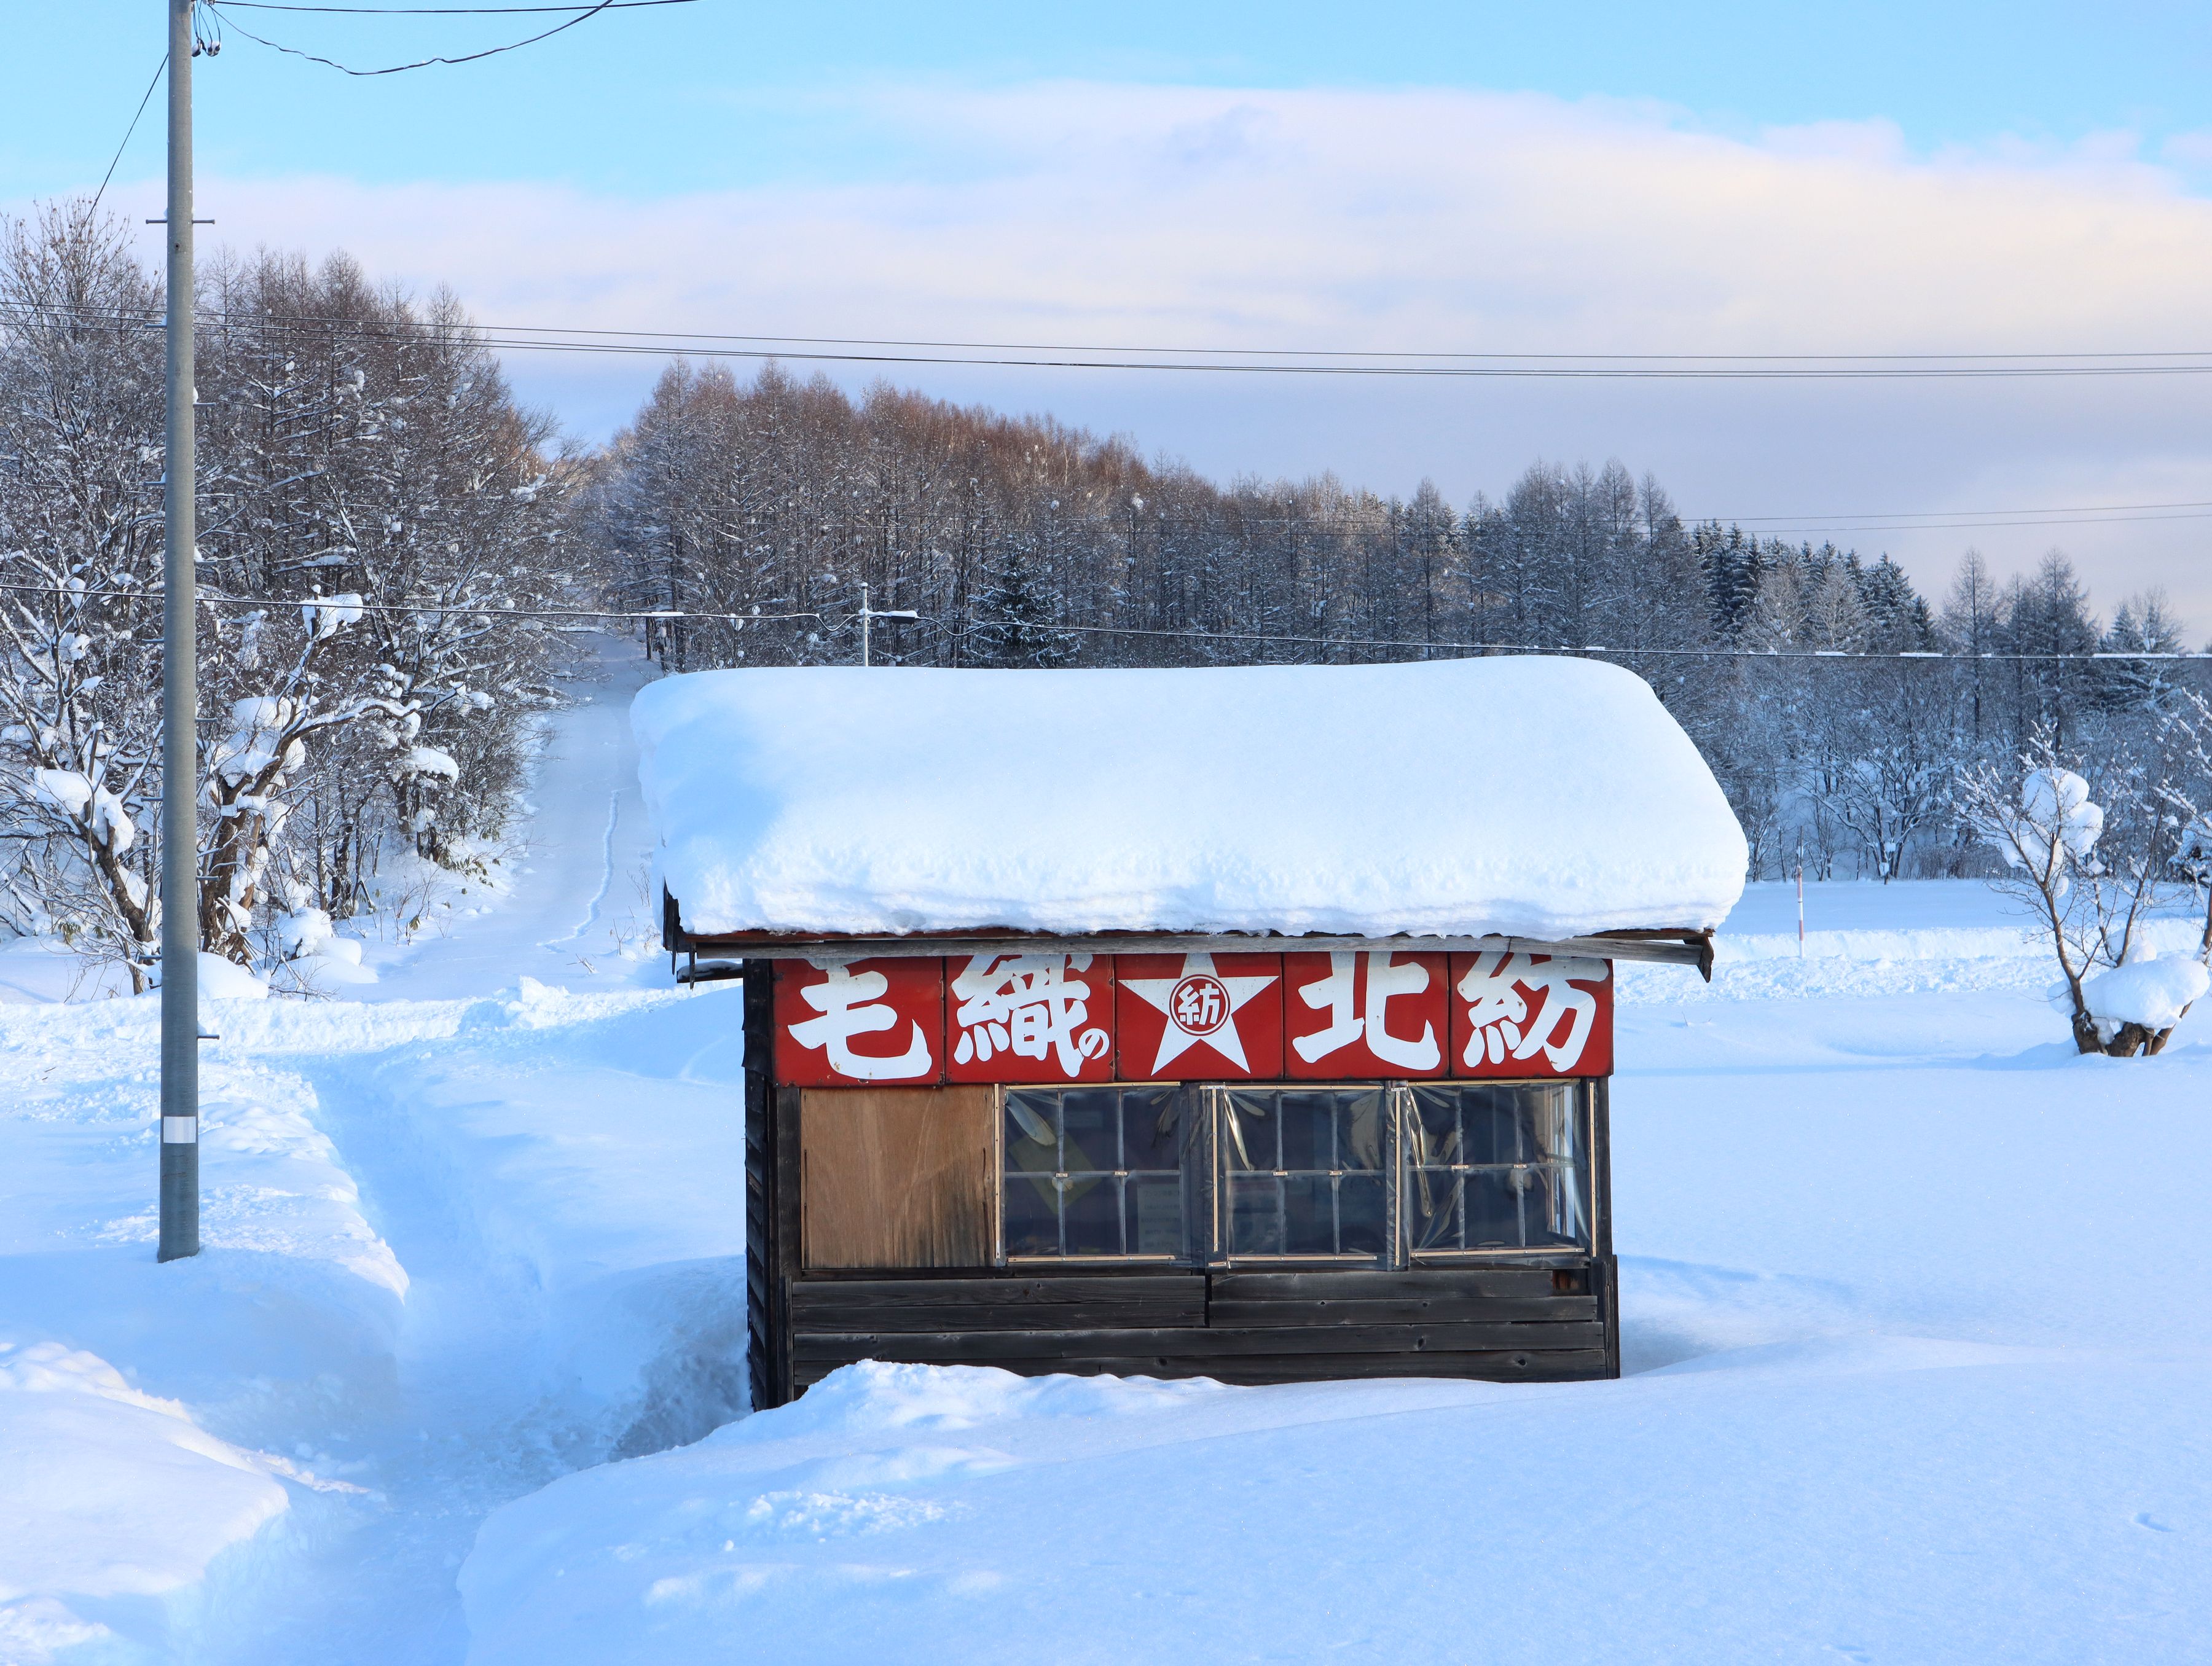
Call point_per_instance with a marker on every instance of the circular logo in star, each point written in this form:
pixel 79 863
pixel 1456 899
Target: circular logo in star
pixel 1199 1004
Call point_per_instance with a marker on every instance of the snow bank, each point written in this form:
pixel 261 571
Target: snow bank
pixel 1544 796
pixel 1873 1499
pixel 110 1492
pixel 2149 991
pixel 226 980
pixel 321 957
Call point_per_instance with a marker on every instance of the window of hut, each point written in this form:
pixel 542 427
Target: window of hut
pixel 1094 1171
pixel 1495 1167
pixel 1306 1171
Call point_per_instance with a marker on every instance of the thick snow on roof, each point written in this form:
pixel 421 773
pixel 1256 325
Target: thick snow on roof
pixel 1528 796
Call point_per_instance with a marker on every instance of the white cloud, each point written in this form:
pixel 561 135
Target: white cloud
pixel 1426 219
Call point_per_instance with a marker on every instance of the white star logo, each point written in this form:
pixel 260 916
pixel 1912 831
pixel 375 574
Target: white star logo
pixel 1200 1005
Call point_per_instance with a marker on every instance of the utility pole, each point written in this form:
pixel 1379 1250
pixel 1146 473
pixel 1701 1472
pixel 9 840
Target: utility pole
pixel 869 615
pixel 180 889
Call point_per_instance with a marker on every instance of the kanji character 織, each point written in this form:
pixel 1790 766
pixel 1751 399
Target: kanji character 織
pixel 1025 1005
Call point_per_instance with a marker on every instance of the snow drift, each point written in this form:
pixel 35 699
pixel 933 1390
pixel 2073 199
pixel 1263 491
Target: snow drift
pixel 1538 796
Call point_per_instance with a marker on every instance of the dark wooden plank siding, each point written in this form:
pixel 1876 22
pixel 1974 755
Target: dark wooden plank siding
pixel 991 1347
pixel 765 1323
pixel 784 1206
pixel 1518 1366
pixel 982 1305
pixel 1506 1323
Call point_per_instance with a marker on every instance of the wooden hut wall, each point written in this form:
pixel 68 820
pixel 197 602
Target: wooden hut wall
pixel 1521 1317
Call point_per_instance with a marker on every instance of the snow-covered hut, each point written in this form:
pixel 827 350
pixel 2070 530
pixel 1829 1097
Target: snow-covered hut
pixel 1251 1023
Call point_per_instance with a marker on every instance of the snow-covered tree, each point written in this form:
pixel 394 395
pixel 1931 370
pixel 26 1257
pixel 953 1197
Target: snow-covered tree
pixel 2092 875
pixel 379 523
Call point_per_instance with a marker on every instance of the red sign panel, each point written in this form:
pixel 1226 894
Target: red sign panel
pixel 1335 1016
pixel 1530 1016
pixel 1352 1016
pixel 1039 1018
pixel 859 1023
pixel 1199 1017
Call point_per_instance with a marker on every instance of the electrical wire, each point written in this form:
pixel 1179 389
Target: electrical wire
pixel 127 132
pixel 553 338
pixel 461 608
pixel 668 614
pixel 497 337
pixel 583 15
pixel 449 11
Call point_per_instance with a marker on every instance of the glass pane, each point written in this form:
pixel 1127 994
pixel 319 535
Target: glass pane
pixel 1308 1215
pixel 1032 1140
pixel 1250 1132
pixel 1433 1201
pixel 1256 1216
pixel 1094 1215
pixel 1362 1213
pixel 1493 1211
pixel 1362 1132
pixel 1151 1129
pixel 1308 1121
pixel 1033 1215
pixel 1154 1216
pixel 1091 1129
pixel 1492 1124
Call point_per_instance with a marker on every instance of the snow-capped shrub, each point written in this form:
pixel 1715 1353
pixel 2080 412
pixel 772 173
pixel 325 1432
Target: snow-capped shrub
pixel 2091 873
pixel 2150 993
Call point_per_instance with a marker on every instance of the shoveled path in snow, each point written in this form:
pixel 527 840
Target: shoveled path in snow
pixel 578 888
pixel 469 1229
pixel 489 1156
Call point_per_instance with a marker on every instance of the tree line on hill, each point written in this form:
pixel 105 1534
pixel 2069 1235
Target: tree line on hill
pixel 1836 703
pixel 392 552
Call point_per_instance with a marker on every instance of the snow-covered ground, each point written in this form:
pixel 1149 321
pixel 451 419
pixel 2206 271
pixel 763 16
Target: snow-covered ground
pixel 1920 1362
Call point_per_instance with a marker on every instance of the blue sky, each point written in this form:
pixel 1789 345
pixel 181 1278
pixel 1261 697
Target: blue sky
pixel 1715 177
pixel 695 96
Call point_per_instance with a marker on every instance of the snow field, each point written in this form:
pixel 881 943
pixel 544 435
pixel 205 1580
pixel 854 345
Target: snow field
pixel 1857 1499
pixel 1917 1373
pixel 1920 1364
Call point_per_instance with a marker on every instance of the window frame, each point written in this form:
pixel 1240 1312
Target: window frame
pixel 1582 1111
pixel 1205 1192
pixel 1192 1254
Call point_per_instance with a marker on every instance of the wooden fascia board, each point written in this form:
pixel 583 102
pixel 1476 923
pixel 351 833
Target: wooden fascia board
pixel 1683 948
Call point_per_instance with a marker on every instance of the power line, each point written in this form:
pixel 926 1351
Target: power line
pixel 583 15
pixel 127 132
pixel 1195 636
pixel 551 338
pixel 447 11
pixel 1612 653
pixel 1840 516
pixel 345 602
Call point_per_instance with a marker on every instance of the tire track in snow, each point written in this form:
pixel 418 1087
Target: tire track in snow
pixel 606 874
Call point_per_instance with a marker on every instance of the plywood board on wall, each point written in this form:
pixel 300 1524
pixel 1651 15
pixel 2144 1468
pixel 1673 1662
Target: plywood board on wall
pixel 897 1177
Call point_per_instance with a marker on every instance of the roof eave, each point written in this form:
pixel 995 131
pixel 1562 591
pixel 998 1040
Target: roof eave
pixel 1674 946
